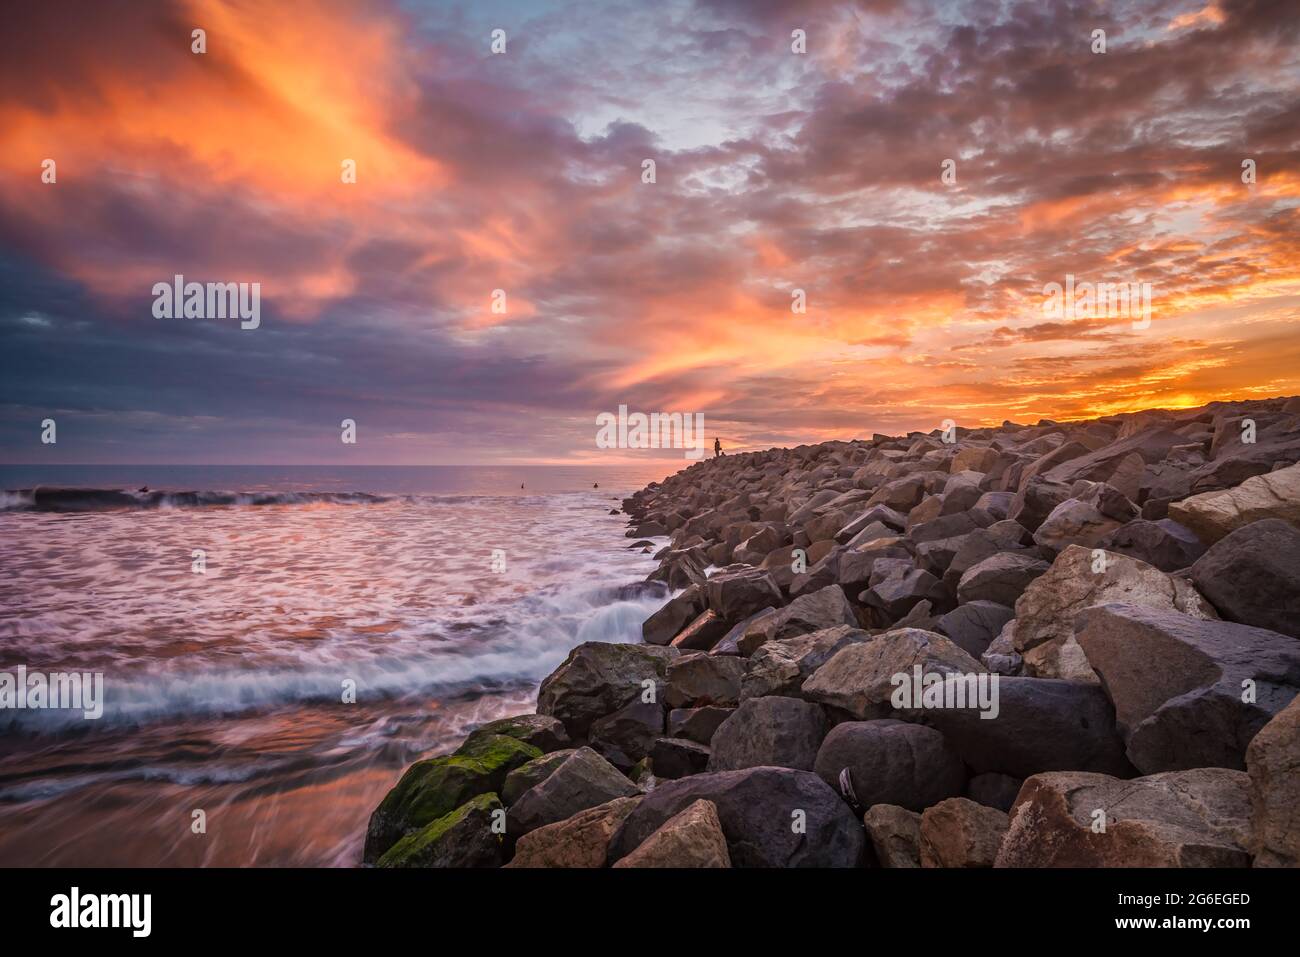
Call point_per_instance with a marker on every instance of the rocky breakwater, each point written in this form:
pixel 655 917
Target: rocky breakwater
pixel 1061 644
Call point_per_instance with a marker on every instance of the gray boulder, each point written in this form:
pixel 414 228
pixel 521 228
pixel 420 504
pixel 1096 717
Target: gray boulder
pixel 599 678
pixel 973 626
pixel 736 592
pixel 695 680
pixel 771 817
pixel 1041 724
pixel 1252 576
pixel 582 780
pixel 890 762
pixel 1163 544
pixel 781 667
pixel 1001 578
pixel 771 731
pixel 860 678
pixel 1188 693
pixel 1078 579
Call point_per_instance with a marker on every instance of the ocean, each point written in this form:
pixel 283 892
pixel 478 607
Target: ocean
pixel 230 609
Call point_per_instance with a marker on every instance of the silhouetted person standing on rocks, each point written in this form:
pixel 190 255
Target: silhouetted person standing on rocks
pixel 717 447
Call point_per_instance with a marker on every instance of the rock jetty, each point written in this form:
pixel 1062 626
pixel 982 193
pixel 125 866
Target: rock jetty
pixel 1064 644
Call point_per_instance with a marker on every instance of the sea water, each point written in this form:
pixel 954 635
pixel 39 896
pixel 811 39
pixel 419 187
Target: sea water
pixel 441 596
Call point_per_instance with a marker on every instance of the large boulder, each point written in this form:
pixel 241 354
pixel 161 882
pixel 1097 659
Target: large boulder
pixel 1086 518
pixel 890 762
pixel 691 838
pixel 1197 818
pixel 598 678
pixel 465 837
pixel 1163 544
pixel 678 612
pixel 1035 501
pixel 900 591
pixel 1212 515
pixel 582 780
pixel 1078 579
pixel 1119 463
pixel 781 667
pixel 579 841
pixel 772 817
pixel 736 592
pixel 702 634
pixel 434 787
pixel 1273 763
pixel 824 608
pixel 1041 724
pixel 733 642
pixel 698 680
pixel 775 731
pixel 895 835
pixel 540 730
pixel 1188 693
pixel 1000 578
pixel 957 832
pixel 531 774
pixel 860 677
pixel 1252 576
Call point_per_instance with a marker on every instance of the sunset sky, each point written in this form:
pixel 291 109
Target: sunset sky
pixel 523 172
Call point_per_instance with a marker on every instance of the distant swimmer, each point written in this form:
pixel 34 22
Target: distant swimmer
pixel 521 484
pixel 144 488
pixel 595 485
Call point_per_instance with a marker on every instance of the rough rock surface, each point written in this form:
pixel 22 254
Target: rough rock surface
pixel 890 762
pixel 696 680
pixel 582 780
pixel 780 667
pixel 959 832
pixel 775 731
pixel 1212 515
pixel 461 838
pixel 1041 724
pixel 1273 763
pixel 597 679
pixel 772 817
pixel 578 841
pixel 1078 579
pixel 858 678
pixel 690 838
pixel 1198 818
pixel 434 787
pixel 1252 576
pixel 1179 683
pixel 894 834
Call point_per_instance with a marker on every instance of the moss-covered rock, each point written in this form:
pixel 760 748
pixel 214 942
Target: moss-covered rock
pixel 539 730
pixel 464 837
pixel 498 752
pixel 436 786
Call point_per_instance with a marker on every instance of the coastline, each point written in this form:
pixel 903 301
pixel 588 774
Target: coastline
pixel 1113 592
